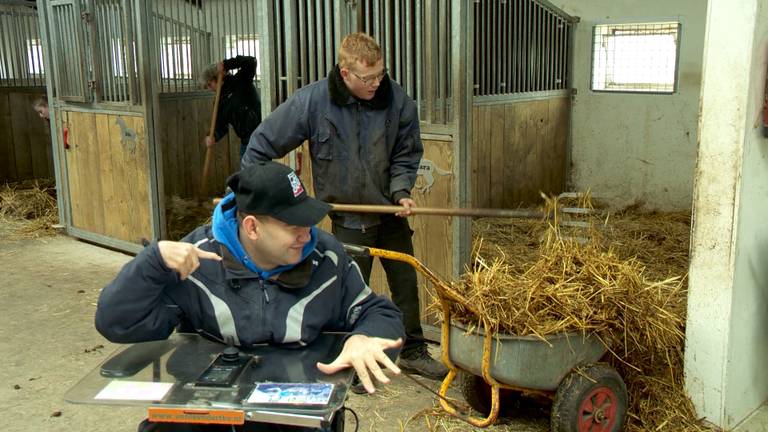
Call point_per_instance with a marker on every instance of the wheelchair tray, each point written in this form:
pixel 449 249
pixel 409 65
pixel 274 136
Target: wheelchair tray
pixel 164 376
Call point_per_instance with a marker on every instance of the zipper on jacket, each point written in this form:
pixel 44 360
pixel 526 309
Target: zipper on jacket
pixel 263 309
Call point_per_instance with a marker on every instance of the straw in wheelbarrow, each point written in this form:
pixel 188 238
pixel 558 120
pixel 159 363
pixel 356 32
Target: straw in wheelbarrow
pixel 599 288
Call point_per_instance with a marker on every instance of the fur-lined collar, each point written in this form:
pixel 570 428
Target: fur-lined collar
pixel 341 96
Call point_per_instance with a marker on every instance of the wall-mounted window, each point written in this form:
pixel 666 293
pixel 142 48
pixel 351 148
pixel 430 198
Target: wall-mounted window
pixel 639 58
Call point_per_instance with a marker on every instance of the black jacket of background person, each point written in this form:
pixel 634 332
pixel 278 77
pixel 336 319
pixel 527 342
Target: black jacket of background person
pixel 239 102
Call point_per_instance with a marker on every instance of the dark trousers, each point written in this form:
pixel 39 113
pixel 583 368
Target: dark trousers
pixel 392 234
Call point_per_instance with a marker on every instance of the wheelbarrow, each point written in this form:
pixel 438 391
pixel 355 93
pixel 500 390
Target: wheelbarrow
pixel 588 396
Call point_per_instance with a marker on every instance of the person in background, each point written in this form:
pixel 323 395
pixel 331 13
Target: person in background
pixel 259 273
pixel 239 102
pixel 40 105
pixel 365 146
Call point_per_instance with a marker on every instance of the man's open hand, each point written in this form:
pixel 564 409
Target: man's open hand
pixel 183 257
pixel 366 355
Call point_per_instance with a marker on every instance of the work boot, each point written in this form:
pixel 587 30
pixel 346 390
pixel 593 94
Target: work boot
pixel 418 361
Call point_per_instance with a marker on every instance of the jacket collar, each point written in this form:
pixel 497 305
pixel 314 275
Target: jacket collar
pixel 341 96
pixel 296 277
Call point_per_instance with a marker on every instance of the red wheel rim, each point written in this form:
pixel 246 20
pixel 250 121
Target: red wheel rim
pixel 597 412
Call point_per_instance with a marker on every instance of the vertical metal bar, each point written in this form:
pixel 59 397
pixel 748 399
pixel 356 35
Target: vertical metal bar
pixel 487 16
pixel 528 42
pixel 495 62
pixel 17 76
pixel 39 52
pixel 407 42
pixel 69 52
pixel 385 39
pixel 545 51
pixel 116 36
pixel 542 45
pixel 130 70
pixel 186 45
pixel 443 64
pixel 266 58
pixel 419 73
pixel 109 35
pixel 5 76
pixel 553 55
pixel 177 38
pixel 329 48
pixel 118 47
pixel 535 51
pixel 429 60
pixel 275 19
pixel 163 47
pixel 62 195
pixel 98 47
pixel 26 38
pixel 312 30
pixel 303 52
pixel 504 48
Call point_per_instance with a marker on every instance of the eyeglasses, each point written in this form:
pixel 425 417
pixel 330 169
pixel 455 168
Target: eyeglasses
pixel 371 79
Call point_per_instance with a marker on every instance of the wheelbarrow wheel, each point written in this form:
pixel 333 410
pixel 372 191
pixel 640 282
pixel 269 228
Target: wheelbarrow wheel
pixel 592 398
pixel 477 393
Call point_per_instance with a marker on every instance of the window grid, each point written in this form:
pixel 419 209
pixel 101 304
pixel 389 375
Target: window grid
pixel 639 58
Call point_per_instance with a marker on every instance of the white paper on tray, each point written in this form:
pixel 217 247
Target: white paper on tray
pixel 134 390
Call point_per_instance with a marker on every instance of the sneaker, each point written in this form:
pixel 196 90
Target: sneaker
pixel 357 386
pixel 418 361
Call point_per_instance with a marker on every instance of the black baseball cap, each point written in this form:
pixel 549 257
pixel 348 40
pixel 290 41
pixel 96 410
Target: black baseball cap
pixel 273 189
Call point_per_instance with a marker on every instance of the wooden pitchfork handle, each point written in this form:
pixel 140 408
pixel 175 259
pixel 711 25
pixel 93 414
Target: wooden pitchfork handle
pixel 207 164
pixel 477 212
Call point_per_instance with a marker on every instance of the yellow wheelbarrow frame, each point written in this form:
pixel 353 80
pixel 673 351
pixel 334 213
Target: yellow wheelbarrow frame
pixel 445 295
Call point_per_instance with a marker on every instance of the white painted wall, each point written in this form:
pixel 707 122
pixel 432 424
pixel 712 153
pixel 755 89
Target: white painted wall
pixel 727 331
pixel 631 148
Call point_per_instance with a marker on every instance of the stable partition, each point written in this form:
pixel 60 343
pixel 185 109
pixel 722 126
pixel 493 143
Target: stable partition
pixel 25 141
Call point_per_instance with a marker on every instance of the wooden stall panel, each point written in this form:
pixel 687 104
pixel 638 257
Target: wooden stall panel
pixel 184 123
pixel 519 150
pixel 433 237
pixel 25 141
pixel 107 166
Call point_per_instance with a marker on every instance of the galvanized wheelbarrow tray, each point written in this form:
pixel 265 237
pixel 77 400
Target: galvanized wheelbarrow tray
pixel 588 396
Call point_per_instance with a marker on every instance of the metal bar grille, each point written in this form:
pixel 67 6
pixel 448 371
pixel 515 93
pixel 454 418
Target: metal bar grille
pixel 192 34
pixel 415 36
pixel 21 55
pixel 304 51
pixel 521 46
pixel 69 50
pixel 114 51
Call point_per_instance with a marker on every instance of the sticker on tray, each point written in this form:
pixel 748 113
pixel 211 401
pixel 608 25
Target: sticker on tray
pixel 291 393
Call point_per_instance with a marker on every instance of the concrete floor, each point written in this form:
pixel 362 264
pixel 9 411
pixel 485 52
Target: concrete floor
pixel 757 422
pixel 48 343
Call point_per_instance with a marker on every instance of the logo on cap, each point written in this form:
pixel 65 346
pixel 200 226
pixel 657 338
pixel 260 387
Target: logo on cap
pixel 295 184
